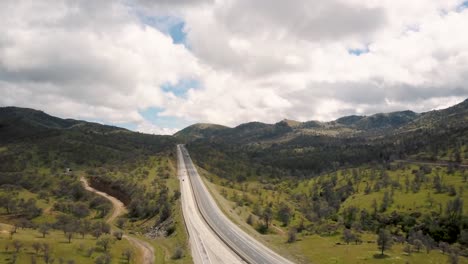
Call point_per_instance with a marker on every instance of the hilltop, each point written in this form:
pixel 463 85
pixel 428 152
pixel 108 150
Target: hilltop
pixel 348 126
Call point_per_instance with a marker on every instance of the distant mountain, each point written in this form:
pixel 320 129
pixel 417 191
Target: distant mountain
pixel 348 126
pixel 257 132
pixel 385 121
pixel 349 120
pixel 313 146
pixel 199 130
pixel 17 123
pixel 27 133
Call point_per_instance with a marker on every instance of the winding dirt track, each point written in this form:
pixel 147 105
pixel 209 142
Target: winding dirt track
pixel 146 249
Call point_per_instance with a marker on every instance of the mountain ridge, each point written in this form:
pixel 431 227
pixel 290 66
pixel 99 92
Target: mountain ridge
pixel 352 125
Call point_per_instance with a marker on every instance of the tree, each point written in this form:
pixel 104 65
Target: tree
pixel 97 233
pixel 453 258
pixel 104 242
pixel 284 214
pixel 69 236
pixel 418 244
pixel 454 209
pixel 348 236
pixel 384 240
pixel 103 259
pixel 292 235
pixel 44 229
pixel 82 230
pixel 121 222
pixel 178 253
pixel 386 201
pixel 437 184
pixel 374 206
pixel 407 249
pixel 430 200
pixel 46 254
pixel 17 245
pixel 250 219
pixel 36 246
pixel 267 215
pixel 463 238
pixel 118 235
pixel 128 254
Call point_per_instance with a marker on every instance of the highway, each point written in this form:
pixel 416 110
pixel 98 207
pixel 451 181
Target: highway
pixel 244 246
pixel 205 245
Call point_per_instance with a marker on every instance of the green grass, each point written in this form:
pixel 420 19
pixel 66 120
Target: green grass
pixel 323 249
pixel 411 201
pixel 59 245
pixel 313 248
pixel 164 246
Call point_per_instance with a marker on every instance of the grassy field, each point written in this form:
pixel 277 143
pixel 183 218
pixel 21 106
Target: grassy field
pixel 323 249
pixel 77 250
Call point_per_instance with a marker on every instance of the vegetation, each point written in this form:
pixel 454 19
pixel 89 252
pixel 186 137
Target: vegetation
pixel 42 159
pixel 387 188
pixel 399 175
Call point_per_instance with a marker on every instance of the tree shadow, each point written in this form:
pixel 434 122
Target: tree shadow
pixel 380 256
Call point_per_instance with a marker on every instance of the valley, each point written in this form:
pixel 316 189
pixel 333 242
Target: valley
pixel 312 192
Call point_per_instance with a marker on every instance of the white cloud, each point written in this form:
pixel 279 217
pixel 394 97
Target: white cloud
pixel 150 128
pixel 255 60
pixel 416 59
pixel 75 61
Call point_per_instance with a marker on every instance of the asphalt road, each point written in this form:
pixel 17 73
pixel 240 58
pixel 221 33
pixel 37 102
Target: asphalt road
pixel 205 245
pixel 246 247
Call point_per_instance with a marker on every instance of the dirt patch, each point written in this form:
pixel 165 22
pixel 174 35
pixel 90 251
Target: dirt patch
pixel 110 188
pixel 119 208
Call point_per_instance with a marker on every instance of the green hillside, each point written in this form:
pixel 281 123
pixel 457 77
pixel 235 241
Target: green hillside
pixel 41 161
pixel 402 172
pixel 315 191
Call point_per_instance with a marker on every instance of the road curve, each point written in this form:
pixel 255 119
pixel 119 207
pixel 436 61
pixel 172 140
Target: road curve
pixel 246 247
pixel 147 251
pixel 118 206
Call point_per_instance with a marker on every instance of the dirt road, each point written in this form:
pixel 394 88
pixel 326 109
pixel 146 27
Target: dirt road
pixel 147 251
pixel 118 206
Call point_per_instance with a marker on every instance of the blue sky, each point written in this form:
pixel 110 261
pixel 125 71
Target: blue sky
pixel 359 52
pixel 153 115
pixel 170 25
pixel 181 87
pixel 173 27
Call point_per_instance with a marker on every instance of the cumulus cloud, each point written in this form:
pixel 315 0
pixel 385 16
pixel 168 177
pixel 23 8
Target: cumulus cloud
pixel 150 128
pixel 412 56
pixel 253 60
pixel 86 60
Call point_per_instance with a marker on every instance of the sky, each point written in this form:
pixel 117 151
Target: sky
pixel 157 66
